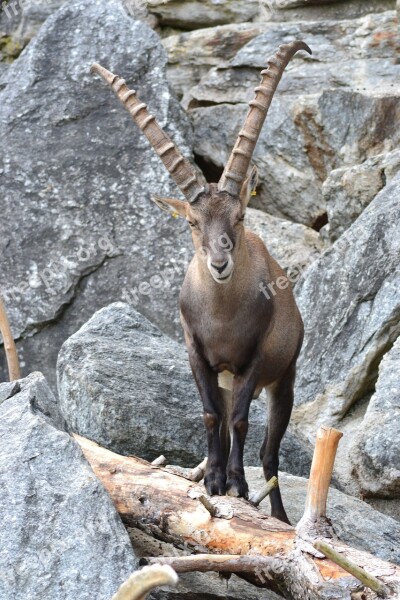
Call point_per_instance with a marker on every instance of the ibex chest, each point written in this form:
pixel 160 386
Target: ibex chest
pixel 227 338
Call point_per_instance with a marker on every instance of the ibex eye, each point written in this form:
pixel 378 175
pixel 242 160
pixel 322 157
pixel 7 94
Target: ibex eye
pixel 192 224
pixel 241 218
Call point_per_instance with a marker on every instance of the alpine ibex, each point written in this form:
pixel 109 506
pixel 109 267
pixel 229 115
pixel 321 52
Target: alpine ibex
pixel 230 323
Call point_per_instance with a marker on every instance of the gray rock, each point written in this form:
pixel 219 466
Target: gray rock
pixel 140 398
pixel 192 14
pixel 61 537
pixel 348 191
pixel 86 232
pixel 293 245
pixel 350 303
pixel 375 453
pixel 193 53
pixel 313 10
pixel 354 521
pixel 323 116
pixel 9 389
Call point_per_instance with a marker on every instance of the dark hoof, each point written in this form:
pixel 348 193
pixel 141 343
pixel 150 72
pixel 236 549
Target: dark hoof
pixel 237 486
pixel 215 483
pixel 281 516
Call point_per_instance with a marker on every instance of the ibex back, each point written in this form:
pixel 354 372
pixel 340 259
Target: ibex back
pixel 236 319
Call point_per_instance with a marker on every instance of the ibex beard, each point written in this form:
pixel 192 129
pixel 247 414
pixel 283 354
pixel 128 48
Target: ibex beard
pixel 233 332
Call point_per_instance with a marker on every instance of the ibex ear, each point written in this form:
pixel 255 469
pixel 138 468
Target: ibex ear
pixel 177 208
pixel 249 186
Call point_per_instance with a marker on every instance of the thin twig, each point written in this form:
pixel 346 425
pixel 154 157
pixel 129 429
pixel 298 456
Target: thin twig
pixel 207 505
pixel 256 498
pixel 351 567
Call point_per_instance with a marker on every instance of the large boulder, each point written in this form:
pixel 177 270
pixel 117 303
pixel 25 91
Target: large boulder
pixel 313 10
pixel 127 386
pixel 350 304
pixel 61 537
pixel 293 245
pixel 354 521
pixel 192 14
pixel 191 54
pixel 349 190
pixel 375 453
pixel 78 228
pixel 334 109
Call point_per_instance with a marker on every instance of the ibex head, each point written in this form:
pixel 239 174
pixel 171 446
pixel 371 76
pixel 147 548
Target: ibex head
pixel 216 223
pixel 215 212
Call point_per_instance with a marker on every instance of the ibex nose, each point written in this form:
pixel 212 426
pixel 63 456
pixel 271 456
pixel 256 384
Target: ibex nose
pixel 221 268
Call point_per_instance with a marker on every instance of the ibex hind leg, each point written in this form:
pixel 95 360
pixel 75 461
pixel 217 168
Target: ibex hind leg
pixel 279 411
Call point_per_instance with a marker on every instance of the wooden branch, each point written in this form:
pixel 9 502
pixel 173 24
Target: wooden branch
pixel 208 505
pixel 161 461
pixel 198 472
pixel 204 563
pixel 348 565
pixel 256 498
pixel 142 582
pixel 167 506
pixel 321 472
pixel 9 345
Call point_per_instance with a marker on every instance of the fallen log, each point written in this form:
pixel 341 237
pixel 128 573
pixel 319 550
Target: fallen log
pixel 170 508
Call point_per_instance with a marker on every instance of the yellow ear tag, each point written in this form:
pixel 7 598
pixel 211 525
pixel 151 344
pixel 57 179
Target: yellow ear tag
pixel 175 215
pixel 254 193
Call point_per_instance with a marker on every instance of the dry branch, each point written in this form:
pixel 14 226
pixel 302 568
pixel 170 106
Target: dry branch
pixel 256 498
pixel 142 582
pixel 168 507
pixel 198 472
pixel 9 344
pixel 321 472
pixel 348 565
pixel 161 461
pixel 204 563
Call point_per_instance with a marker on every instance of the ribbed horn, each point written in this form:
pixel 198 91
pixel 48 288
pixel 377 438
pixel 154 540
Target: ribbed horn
pixel 183 173
pixel 236 169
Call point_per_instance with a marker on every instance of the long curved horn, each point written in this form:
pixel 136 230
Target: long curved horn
pixel 236 169
pixel 183 173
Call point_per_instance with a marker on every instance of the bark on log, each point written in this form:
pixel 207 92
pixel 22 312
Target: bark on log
pixel 9 345
pixel 168 507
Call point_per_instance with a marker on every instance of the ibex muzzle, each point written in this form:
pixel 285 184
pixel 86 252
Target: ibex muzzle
pixel 234 332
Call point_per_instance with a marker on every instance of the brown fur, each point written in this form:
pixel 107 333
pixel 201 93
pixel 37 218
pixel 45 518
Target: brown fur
pixel 234 327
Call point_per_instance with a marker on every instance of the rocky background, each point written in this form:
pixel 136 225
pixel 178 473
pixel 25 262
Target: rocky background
pixel 90 270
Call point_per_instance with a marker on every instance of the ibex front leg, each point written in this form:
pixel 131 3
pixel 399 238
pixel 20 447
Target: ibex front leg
pixel 207 383
pixel 243 391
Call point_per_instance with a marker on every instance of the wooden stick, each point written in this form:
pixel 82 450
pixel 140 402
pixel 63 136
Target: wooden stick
pixel 256 498
pixel 197 473
pixel 161 461
pixel 207 505
pixel 321 472
pixel 140 583
pixel 9 345
pixel 203 563
pixel 348 565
